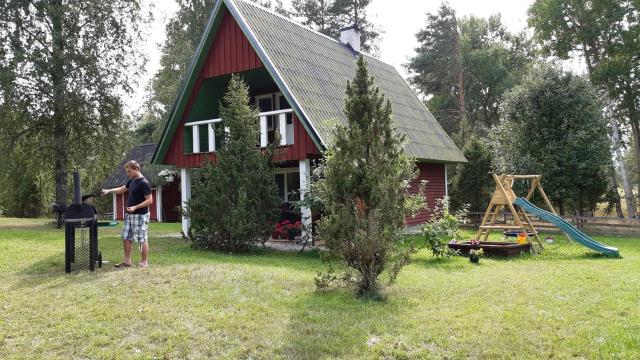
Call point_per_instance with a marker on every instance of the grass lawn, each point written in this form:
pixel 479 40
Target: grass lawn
pixel 565 303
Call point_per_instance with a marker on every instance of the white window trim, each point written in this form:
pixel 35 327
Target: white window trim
pixel 280 118
pixel 286 172
pixel 202 122
pixel 195 139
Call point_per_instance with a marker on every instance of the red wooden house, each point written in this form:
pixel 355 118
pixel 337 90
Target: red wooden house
pixel 166 195
pixel 297 78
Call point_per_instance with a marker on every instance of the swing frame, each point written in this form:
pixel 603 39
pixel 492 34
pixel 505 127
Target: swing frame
pixel 503 197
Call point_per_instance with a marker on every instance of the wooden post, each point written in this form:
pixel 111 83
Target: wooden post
pixel 185 194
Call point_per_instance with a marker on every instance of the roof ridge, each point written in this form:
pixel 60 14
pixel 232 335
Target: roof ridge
pixel 309 29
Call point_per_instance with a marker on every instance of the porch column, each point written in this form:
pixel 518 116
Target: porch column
pixel 115 207
pixel 185 195
pixel 159 204
pixel 305 182
pixel 446 181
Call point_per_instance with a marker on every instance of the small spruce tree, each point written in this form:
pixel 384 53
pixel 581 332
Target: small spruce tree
pixel 364 187
pixel 235 201
pixel 472 183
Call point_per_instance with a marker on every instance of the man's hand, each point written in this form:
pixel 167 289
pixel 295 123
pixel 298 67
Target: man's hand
pixel 131 209
pixel 104 192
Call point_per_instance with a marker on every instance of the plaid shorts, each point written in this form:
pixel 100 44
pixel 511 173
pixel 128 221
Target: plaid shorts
pixel 135 227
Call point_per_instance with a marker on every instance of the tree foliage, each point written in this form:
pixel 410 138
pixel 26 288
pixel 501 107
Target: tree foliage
pixel 552 125
pixel 463 67
pixel 472 183
pixel 605 33
pixel 329 16
pixel 65 65
pixel 364 188
pixel 235 201
pixel 436 66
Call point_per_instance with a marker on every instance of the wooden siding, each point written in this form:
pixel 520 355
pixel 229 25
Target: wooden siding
pixel 119 210
pixel 230 51
pixel 170 201
pixel 434 174
pixel 121 203
pixel 302 148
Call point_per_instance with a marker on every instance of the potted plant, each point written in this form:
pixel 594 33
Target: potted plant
pixel 474 255
pixel 293 230
pixel 166 176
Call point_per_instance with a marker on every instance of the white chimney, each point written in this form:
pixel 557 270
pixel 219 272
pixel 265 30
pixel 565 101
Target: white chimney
pixel 351 36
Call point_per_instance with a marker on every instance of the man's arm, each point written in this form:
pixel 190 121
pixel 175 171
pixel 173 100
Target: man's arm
pixel 148 201
pixel 118 190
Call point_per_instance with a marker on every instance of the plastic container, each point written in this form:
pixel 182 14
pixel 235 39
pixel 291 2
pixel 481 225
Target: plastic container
pixel 522 238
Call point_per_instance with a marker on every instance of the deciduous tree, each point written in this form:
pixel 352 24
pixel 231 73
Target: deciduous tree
pixel 66 65
pixel 552 125
pixel 463 67
pixel 605 33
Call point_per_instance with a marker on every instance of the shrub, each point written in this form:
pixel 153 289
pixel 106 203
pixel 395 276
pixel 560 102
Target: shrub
pixel 443 228
pixel 364 188
pixel 235 201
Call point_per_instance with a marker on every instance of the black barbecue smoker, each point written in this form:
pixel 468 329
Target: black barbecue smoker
pixel 81 232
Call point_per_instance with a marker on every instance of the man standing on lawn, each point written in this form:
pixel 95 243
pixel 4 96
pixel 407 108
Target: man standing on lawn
pixel 136 219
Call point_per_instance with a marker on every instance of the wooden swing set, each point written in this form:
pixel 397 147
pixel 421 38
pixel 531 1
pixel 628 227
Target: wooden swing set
pixel 503 197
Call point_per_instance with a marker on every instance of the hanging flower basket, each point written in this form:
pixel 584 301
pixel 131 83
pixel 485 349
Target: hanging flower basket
pixel 166 177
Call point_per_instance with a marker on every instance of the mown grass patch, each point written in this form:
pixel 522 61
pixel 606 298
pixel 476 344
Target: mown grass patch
pixel 564 303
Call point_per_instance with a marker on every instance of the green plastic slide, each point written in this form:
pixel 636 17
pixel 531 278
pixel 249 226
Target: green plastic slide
pixel 565 226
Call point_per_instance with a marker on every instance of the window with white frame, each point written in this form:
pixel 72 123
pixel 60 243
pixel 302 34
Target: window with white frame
pixel 288 182
pixel 204 136
pixel 276 117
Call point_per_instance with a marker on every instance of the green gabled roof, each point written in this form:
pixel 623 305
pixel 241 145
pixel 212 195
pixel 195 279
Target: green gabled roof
pixel 312 70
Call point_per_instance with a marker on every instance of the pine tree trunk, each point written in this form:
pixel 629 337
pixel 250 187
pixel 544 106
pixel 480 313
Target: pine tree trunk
pixel 614 189
pixel 628 193
pixel 635 129
pixel 461 95
pixel 60 153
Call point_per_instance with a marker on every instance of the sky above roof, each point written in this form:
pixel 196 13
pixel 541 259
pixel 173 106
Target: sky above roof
pixel 400 20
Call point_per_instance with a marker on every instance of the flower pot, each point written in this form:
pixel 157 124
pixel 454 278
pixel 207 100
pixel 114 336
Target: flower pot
pixel 474 258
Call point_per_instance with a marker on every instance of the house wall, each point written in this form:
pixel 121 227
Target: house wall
pixel 121 203
pixel 171 200
pixel 119 210
pixel 436 188
pixel 229 53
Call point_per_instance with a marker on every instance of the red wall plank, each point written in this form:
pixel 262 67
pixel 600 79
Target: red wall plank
pixel 153 213
pixel 230 51
pixel 171 200
pixel 119 209
pixel 434 174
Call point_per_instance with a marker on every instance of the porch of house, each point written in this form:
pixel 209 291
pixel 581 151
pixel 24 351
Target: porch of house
pixel 292 182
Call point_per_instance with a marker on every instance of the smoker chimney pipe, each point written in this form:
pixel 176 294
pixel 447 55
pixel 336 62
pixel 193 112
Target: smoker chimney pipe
pixel 77 195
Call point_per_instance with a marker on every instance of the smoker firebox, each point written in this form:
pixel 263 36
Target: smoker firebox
pixel 80 218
